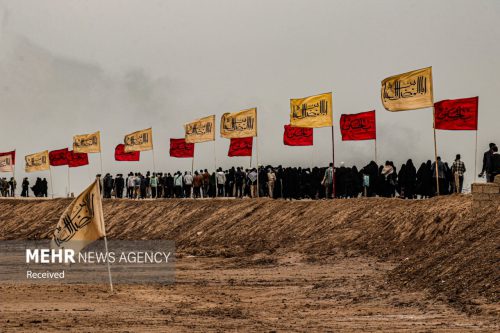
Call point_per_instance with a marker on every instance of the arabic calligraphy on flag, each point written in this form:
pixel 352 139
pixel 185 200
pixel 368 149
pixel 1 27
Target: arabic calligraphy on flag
pixel 181 149
pixel 121 155
pixel 240 147
pixel 139 140
pixel 240 124
pixel 87 143
pixel 312 111
pixel 6 163
pixel 359 126
pixel 408 91
pixel 82 222
pixel 77 159
pixel 297 136
pixel 200 130
pixel 37 162
pixel 58 157
pixel 12 154
pixel 456 114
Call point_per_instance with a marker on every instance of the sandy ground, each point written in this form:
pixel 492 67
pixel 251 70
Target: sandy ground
pixel 292 293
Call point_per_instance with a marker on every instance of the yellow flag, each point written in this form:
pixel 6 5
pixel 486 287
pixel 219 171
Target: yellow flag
pixel 241 124
pixel 87 143
pixel 408 91
pixel 313 111
pixel 200 130
pixel 37 162
pixel 82 222
pixel 139 141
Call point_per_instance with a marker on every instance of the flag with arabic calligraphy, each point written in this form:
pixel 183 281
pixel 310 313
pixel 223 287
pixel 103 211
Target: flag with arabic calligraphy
pixel 139 140
pixel 6 163
pixel 58 157
pixel 82 222
pixel 313 111
pixel 240 147
pixel 77 159
pixel 408 91
pixel 87 143
pixel 200 130
pixel 121 155
pixel 242 124
pixel 181 149
pixel 359 126
pixel 456 114
pixel 297 136
pixel 12 154
pixel 37 162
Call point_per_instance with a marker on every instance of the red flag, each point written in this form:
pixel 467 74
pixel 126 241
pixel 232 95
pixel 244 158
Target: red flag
pixel 358 126
pixel 179 148
pixel 77 159
pixel 121 155
pixel 58 157
pixel 298 136
pixel 12 153
pixel 456 114
pixel 240 147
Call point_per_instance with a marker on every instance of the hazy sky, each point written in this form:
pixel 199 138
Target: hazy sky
pixel 72 67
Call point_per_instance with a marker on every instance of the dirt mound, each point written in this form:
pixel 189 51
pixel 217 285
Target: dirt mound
pixel 442 246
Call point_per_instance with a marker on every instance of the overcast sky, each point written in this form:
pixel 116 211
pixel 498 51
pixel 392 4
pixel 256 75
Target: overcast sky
pixel 72 67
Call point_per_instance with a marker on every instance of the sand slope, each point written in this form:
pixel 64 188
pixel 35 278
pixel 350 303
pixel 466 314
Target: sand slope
pixel 438 245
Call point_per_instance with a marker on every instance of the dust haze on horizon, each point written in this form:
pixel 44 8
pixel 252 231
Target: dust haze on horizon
pixel 72 67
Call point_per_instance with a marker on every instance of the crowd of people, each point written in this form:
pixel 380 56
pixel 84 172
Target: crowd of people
pixel 384 180
pixel 303 183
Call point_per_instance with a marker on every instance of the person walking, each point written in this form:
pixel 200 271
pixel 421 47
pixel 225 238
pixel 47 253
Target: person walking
pixel 441 175
pixel 188 183
pixel 25 188
pixel 457 171
pixel 153 182
pixel 271 180
pixel 197 183
pixel 495 163
pixel 327 181
pixel 178 184
pixel 487 164
pixel 221 182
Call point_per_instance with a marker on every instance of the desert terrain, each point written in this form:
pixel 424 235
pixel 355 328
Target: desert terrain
pixel 354 265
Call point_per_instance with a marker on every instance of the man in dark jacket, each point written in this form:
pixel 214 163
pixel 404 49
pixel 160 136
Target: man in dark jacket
pixel 487 164
pixel 119 185
pixel 495 163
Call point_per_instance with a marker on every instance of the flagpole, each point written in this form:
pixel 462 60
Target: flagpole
pixel 100 158
pixel 475 159
pixel 257 152
pixel 51 184
pixel 376 159
pixel 215 166
pixel 14 172
pixel 154 165
pixel 475 148
pixel 435 148
pixel 333 162
pixel 105 236
pixel 69 185
pixel 215 156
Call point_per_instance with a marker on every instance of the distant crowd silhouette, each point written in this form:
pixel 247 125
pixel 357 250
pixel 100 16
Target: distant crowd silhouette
pixel 288 182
